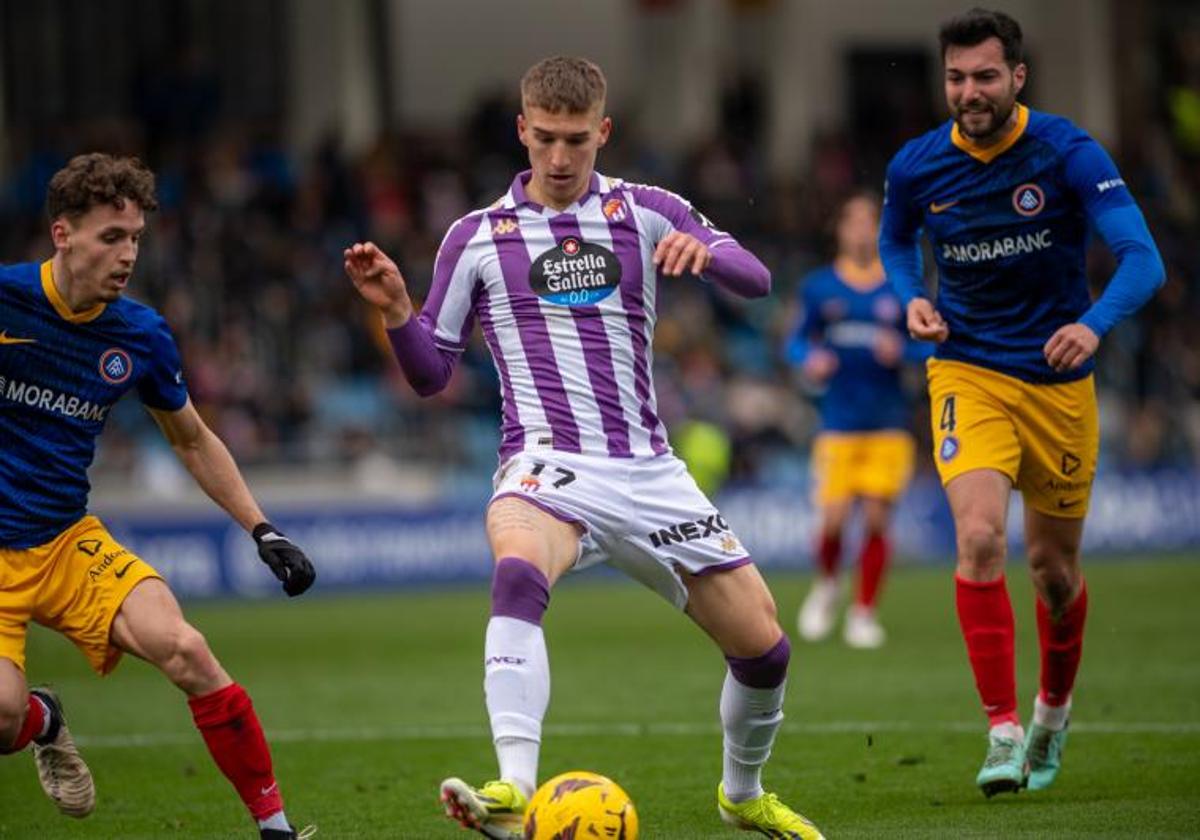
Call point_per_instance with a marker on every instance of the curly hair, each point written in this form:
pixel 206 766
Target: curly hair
pixel 564 83
pixel 976 26
pixel 97 178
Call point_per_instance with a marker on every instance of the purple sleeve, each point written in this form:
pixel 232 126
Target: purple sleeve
pixel 426 366
pixel 737 270
pixel 732 267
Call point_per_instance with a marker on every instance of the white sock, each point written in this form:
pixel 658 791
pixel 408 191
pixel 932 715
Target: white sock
pixel 276 821
pixel 750 718
pixel 1012 731
pixel 1052 717
pixel 516 681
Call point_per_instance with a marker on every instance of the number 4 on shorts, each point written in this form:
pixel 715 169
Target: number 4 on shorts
pixel 947 423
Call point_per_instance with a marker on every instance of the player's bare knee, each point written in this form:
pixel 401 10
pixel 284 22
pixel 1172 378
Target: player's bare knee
pixel 190 663
pixel 981 547
pixel 1056 584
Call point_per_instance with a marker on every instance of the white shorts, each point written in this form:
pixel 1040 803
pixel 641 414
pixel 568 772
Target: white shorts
pixel 643 515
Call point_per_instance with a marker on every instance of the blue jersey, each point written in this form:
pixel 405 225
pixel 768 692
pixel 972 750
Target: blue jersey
pixel 60 373
pixel 1009 228
pixel 846 315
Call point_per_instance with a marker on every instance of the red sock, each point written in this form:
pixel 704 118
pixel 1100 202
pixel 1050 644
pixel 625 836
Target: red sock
pixel 829 554
pixel 227 721
pixel 1062 645
pixel 871 564
pixel 35 720
pixel 986 617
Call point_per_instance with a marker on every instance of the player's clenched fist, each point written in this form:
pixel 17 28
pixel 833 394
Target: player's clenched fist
pixel 287 562
pixel 1070 347
pixel 379 281
pixel 925 323
pixel 678 252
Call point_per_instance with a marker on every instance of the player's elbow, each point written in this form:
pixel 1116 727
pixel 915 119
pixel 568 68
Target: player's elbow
pixel 1158 269
pixel 427 387
pixel 426 383
pixel 754 279
pixel 760 280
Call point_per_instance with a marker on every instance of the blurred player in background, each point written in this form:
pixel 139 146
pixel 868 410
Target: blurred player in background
pixel 851 342
pixel 562 273
pixel 70 347
pixel 1006 196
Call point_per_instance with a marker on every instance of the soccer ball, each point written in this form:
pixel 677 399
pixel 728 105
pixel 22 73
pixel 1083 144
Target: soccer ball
pixel 579 805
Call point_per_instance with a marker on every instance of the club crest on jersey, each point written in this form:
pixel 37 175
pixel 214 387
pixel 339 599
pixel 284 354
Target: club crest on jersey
pixel 1028 199
pixel 615 210
pixel 505 226
pixel 115 366
pixel 949 449
pixel 575 273
pixel 530 483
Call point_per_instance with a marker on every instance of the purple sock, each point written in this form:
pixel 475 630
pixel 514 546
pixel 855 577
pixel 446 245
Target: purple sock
pixel 519 590
pixel 766 671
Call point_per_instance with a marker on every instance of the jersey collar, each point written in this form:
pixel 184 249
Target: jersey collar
pixel 60 305
pixel 986 154
pixel 517 197
pixel 859 278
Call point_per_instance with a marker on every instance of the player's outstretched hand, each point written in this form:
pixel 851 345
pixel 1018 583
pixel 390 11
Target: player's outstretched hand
pixel 379 281
pixel 925 323
pixel 1070 347
pixel 286 560
pixel 678 252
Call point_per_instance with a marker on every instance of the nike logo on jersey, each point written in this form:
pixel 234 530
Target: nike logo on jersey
pixel 936 208
pixel 120 573
pixel 4 339
pixel 1064 503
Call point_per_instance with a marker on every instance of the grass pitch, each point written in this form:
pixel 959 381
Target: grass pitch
pixel 369 701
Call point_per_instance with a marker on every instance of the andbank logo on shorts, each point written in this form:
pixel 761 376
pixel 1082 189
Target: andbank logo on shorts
pixel 694 529
pixel 108 559
pixel 575 273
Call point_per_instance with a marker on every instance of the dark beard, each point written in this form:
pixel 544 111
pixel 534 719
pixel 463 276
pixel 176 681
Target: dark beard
pixel 998 122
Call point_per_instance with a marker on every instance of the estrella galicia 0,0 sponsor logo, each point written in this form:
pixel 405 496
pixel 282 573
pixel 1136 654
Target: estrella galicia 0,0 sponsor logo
pixel 575 273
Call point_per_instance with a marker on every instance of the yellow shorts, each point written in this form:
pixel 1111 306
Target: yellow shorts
pixel 1045 438
pixel 848 465
pixel 73 584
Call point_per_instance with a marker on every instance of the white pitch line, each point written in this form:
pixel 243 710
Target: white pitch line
pixel 604 730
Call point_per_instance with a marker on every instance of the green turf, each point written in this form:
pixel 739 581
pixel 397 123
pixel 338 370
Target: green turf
pixel 372 700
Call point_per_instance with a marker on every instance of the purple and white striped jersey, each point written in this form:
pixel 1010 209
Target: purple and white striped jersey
pixel 567 306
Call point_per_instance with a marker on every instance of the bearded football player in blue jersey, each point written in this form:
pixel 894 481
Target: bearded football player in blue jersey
pixel 1007 197
pixel 70 346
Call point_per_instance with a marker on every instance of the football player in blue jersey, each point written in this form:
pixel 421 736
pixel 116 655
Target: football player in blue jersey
pixel 1007 197
pixel 851 344
pixel 70 347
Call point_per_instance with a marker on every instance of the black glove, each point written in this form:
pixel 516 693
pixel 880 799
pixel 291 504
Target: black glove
pixel 286 560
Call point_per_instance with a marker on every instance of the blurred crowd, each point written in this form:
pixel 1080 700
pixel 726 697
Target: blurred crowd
pixel 244 258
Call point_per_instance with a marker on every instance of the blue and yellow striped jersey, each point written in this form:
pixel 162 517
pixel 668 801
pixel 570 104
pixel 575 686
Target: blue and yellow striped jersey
pixel 1009 226
pixel 60 373
pixel 845 310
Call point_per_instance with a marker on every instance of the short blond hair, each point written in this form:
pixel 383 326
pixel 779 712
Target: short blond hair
pixel 564 83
